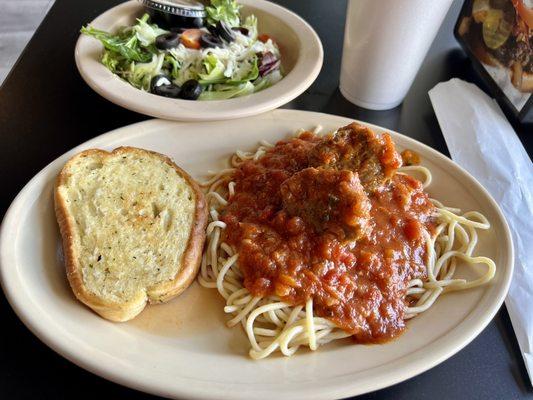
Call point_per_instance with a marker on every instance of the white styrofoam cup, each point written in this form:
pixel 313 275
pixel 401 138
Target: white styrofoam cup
pixel 385 42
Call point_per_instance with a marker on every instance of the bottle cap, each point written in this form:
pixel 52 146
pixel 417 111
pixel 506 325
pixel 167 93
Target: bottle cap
pixel 183 8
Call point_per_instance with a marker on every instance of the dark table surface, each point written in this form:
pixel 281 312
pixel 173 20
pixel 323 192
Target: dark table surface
pixel 46 109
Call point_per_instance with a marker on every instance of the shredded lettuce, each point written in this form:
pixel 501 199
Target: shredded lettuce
pixel 146 33
pixel 111 61
pixel 214 70
pixel 223 10
pixel 141 74
pixel 223 92
pixel 125 43
pixel 267 80
pixel 231 70
pixel 247 71
pixel 171 65
pixel 250 23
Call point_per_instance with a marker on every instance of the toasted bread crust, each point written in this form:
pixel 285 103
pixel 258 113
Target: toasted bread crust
pixel 162 292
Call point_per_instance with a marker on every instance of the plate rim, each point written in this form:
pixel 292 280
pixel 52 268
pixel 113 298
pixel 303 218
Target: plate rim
pixel 45 334
pixel 136 100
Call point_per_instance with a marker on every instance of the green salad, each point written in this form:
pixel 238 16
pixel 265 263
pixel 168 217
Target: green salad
pixel 223 58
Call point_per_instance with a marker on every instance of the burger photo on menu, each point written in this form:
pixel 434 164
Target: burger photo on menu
pixel 498 33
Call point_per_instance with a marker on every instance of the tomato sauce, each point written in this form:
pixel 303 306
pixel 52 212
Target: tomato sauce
pixel 357 281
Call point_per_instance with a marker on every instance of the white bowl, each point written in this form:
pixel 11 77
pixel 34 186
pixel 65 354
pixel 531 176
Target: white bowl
pixel 301 54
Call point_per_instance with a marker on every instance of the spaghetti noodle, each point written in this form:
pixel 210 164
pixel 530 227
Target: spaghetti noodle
pixel 272 324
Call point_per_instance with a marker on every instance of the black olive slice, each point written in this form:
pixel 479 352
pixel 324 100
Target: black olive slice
pixel 159 80
pixel 241 29
pixel 191 90
pixel 167 41
pixel 225 32
pixel 171 90
pixel 208 40
pixel 163 86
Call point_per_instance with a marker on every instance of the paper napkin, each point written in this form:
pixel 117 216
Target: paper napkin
pixel 482 141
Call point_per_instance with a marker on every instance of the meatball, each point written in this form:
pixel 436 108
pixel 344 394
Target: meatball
pixel 357 148
pixel 329 200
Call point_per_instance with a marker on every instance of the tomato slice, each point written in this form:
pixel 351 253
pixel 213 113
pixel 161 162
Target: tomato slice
pixel 191 38
pixel 264 38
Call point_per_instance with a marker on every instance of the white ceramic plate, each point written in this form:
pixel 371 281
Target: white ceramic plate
pixel 183 348
pixel 301 52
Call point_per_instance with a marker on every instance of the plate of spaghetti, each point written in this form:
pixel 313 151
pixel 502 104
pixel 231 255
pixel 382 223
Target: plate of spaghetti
pixel 340 258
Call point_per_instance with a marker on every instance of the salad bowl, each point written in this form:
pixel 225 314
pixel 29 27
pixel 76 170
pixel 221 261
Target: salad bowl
pixel 301 60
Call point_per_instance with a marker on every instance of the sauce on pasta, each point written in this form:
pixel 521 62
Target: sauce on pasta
pixel 322 218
